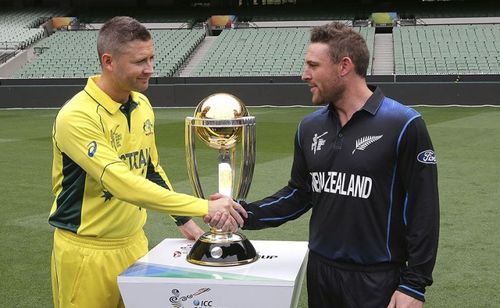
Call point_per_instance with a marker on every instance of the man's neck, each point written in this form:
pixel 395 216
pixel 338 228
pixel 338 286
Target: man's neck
pixel 354 99
pixel 107 87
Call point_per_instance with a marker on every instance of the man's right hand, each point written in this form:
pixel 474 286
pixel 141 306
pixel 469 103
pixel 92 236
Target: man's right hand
pixel 226 212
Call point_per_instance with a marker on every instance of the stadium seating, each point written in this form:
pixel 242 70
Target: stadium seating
pixel 19 28
pixel 261 52
pixel 418 50
pixel 457 49
pixel 281 15
pixel 255 52
pixel 369 35
pixel 173 48
pixel 144 16
pixel 65 54
pixel 73 54
pixel 18 38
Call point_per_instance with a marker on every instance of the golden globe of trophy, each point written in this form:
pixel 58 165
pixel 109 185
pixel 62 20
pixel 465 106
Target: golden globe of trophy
pixel 221 121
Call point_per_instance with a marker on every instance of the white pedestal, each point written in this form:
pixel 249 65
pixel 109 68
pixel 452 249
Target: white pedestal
pixel 163 278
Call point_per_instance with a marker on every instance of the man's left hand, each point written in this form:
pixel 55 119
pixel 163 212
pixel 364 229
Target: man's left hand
pixel 191 230
pixel 401 300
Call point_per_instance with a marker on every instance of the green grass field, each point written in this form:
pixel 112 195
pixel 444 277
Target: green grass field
pixel 466 141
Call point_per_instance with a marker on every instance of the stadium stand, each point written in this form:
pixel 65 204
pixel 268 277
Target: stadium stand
pixel 261 52
pixel 65 54
pixel 279 15
pixel 418 50
pixel 20 28
pixel 144 16
pixel 451 49
pixel 73 54
pixel 450 45
pixel 6 55
pixel 254 49
pixel 173 48
pixel 255 52
pixel 369 35
pixel 28 18
pixel 18 38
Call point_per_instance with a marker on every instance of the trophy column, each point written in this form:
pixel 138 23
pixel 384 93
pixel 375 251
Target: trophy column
pixel 221 121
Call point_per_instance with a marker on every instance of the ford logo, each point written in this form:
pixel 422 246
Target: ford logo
pixel 427 157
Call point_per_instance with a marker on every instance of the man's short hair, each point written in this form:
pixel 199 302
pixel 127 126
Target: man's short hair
pixel 343 41
pixel 119 31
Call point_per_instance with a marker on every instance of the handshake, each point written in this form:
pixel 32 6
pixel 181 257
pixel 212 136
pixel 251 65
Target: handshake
pixel 224 214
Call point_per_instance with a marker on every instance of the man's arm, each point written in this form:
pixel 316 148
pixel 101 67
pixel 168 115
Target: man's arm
pixel 288 203
pixel 418 169
pixel 156 174
pixel 82 139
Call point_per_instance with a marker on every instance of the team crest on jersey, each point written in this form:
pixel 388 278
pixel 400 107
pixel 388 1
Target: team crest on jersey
pixel 116 138
pixel 148 127
pixel 363 142
pixel 318 142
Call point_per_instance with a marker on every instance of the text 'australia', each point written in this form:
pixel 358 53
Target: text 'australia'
pixel 342 184
pixel 136 159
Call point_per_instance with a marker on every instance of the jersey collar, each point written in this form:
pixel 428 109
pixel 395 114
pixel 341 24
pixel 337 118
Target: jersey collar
pixel 371 105
pixel 374 101
pixel 102 98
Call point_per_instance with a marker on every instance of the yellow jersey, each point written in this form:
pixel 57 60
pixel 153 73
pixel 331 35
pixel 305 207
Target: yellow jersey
pixel 105 169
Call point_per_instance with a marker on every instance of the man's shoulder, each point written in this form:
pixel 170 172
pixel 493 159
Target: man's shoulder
pixel 315 115
pixel 80 104
pixel 391 108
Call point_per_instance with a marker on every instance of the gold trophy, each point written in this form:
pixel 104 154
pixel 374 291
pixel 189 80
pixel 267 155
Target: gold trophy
pixel 221 121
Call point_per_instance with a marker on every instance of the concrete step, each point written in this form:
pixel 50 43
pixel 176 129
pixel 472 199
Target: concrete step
pixel 383 54
pixel 197 55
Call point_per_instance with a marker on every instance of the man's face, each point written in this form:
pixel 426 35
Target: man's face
pixel 133 66
pixel 322 75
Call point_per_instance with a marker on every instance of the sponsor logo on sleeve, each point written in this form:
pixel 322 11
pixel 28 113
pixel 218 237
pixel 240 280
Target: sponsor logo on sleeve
pixel 427 157
pixel 92 148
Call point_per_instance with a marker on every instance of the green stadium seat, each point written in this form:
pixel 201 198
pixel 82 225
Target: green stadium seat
pixel 73 54
pixel 447 49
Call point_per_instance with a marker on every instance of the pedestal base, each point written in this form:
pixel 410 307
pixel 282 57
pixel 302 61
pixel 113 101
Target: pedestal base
pixel 222 249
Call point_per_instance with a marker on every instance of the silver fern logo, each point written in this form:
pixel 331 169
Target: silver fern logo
pixel 365 141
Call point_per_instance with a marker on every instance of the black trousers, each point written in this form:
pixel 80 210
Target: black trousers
pixel 331 285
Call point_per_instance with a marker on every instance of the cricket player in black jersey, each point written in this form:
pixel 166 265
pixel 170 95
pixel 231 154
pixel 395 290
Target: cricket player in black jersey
pixel 366 167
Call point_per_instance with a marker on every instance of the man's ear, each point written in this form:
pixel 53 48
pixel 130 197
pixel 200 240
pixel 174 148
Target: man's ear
pixel 107 62
pixel 346 66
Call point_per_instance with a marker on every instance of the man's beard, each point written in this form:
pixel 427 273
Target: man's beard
pixel 336 95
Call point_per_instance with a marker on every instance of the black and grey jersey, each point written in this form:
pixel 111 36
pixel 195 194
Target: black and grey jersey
pixel 372 187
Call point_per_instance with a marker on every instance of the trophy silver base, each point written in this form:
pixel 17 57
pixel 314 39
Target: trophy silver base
pixel 222 249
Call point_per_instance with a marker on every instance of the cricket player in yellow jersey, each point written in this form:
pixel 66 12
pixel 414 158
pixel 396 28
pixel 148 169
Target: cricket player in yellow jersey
pixel 106 174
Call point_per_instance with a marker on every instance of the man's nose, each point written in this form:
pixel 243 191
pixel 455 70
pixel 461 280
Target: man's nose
pixel 306 75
